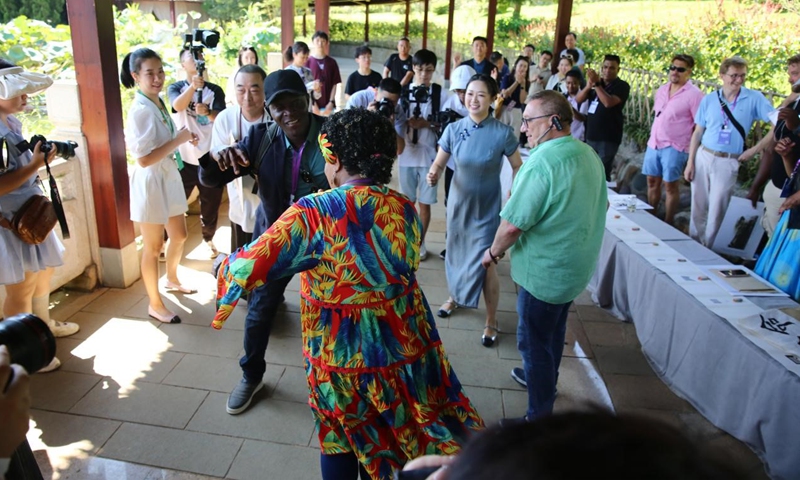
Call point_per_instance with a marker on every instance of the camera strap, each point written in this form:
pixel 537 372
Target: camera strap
pixel 55 197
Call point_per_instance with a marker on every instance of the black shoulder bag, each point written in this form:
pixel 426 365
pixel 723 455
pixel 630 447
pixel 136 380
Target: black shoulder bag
pixel 728 113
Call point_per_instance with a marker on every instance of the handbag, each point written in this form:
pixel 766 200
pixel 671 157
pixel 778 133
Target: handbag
pixel 37 217
pixel 34 221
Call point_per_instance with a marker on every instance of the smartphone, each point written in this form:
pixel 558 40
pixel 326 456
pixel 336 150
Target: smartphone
pixel 734 273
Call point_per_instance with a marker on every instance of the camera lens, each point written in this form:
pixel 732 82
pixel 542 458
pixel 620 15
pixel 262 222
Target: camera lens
pixel 29 341
pixel 65 150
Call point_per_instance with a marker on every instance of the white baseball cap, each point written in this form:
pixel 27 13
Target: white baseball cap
pixel 15 81
pixel 460 77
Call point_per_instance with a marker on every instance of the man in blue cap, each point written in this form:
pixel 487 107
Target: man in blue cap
pixel 285 158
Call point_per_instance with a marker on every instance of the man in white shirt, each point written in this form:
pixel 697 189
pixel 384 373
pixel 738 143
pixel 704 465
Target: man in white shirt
pixel 198 117
pixel 421 136
pixel 570 40
pixel 230 126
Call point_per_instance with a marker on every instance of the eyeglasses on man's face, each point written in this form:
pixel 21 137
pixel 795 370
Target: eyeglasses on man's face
pixel 737 76
pixel 674 68
pixel 525 121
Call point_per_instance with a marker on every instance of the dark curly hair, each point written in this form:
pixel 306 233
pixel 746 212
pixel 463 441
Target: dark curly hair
pixel 364 141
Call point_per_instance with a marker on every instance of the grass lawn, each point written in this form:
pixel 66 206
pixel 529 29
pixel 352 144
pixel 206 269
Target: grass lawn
pixel 470 17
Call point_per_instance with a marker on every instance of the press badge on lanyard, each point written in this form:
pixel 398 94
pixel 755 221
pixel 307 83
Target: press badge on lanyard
pixel 593 106
pixel 724 136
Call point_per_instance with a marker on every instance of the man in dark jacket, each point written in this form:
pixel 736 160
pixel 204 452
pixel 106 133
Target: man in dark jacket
pixel 285 158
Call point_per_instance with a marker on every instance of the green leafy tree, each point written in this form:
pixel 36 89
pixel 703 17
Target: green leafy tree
pixel 230 10
pixel 50 11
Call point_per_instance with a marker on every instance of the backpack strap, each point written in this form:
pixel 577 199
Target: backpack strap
pixel 263 146
pixel 436 97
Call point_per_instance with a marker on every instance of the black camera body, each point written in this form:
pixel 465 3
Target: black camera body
pixel 29 340
pixel 386 108
pixel 65 150
pixel 446 117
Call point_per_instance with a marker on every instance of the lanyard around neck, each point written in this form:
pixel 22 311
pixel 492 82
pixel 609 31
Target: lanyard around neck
pixel 733 106
pixel 162 109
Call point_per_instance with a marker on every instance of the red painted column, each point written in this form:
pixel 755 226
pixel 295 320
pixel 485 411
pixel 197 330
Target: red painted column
pixel 95 54
pixel 408 11
pixel 366 24
pixel 490 26
pixel 287 24
pixel 322 13
pixel 448 56
pixel 562 28
pixel 425 26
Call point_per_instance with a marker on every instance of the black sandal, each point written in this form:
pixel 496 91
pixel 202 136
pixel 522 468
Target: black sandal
pixel 446 312
pixel 487 341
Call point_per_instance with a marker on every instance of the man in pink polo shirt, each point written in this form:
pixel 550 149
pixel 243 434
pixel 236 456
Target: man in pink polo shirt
pixel 676 104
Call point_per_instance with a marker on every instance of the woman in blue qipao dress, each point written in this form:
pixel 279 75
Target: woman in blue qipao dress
pixel 478 144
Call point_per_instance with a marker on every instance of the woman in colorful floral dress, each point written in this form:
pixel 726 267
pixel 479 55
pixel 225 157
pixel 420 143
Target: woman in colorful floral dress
pixel 381 388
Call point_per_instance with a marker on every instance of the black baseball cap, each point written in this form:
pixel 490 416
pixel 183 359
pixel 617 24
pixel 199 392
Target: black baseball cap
pixel 283 81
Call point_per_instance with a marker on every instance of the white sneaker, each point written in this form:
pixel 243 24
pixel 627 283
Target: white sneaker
pixel 423 252
pixel 53 365
pixel 213 248
pixel 63 329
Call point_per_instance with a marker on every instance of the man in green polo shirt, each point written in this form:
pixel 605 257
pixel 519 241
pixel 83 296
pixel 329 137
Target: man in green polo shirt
pixel 553 223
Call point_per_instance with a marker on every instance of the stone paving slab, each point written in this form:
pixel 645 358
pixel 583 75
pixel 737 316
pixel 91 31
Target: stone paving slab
pixel 137 399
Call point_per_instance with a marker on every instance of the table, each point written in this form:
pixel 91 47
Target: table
pixel 701 357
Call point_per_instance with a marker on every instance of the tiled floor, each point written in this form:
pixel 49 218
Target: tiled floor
pixel 137 399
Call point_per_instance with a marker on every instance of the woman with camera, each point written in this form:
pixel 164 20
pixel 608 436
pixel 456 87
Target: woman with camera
pixel 381 388
pixel 296 56
pixel 477 143
pixel 27 268
pixel 514 91
pixel 157 197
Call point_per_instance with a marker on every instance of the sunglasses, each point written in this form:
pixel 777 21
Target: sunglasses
pixel 673 68
pixel 306 176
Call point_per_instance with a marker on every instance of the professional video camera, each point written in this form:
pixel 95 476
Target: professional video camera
pixel 195 42
pixel 65 150
pixel 386 108
pixel 418 95
pixel 29 341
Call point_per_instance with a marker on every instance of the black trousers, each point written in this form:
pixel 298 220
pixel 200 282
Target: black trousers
pixel 239 238
pixel 210 198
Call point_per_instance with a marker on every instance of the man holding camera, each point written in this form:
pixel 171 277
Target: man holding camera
pixel 285 158
pixel 424 101
pixel 196 104
pixel 385 100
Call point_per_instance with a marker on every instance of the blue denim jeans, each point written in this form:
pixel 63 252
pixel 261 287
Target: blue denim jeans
pixel 262 305
pixel 540 341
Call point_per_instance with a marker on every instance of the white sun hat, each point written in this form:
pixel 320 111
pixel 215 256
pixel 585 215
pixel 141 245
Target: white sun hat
pixel 15 81
pixel 460 77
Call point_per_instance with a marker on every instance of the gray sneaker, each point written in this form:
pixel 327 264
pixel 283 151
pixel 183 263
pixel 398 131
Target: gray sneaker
pixel 518 375
pixel 241 396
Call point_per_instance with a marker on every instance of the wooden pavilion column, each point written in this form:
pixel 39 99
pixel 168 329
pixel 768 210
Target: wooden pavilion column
pixel 322 15
pixel 287 24
pixel 425 26
pixel 366 23
pixel 408 11
pixel 490 27
pixel 95 55
pixel 448 55
pixel 562 28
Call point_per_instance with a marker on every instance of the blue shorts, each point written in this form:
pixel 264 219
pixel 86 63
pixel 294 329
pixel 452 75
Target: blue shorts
pixel 666 163
pixel 413 179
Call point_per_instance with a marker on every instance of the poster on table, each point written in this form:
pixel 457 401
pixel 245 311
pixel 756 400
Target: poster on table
pixel 741 230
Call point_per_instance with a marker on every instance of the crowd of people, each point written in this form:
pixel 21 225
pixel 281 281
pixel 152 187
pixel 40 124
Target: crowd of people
pixel 307 187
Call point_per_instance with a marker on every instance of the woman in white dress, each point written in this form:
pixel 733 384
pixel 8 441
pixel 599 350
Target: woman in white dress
pixel 157 199
pixel 559 80
pixel 27 268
